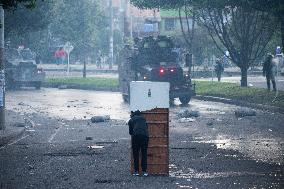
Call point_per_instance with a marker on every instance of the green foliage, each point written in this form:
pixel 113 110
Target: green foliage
pixel 77 22
pixel 233 91
pixel 21 21
pixel 13 4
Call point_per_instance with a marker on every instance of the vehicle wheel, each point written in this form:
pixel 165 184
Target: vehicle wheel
pixel 184 100
pixel 172 101
pixel 38 85
pixel 125 98
pixel 9 83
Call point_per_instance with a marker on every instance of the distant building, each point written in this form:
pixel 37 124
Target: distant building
pixel 170 22
pixel 133 21
pixel 138 23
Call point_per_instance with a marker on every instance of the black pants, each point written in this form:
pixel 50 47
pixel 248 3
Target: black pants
pixel 219 74
pixel 140 143
pixel 272 79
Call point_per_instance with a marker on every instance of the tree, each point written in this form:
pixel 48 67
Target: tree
pixel 13 4
pixel 242 29
pixel 21 21
pixel 273 7
pixel 244 32
pixel 78 22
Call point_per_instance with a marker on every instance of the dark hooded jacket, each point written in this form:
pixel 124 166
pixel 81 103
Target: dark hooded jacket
pixel 137 125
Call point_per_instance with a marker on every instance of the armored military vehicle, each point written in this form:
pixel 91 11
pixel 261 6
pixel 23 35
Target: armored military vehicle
pixel 21 71
pixel 155 59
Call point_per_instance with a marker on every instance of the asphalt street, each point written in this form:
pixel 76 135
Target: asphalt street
pixel 215 150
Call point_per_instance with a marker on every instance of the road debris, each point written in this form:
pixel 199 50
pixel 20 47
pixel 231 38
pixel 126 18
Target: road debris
pixel 242 112
pixel 185 120
pixel 62 87
pixel 97 119
pixel 89 138
pixel 188 114
pixel 95 147
pixel 20 124
pixel 210 123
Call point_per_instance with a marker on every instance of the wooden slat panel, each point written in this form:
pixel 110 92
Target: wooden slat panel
pixel 156 117
pixel 158 130
pixel 158 148
pixel 158 141
pixel 155 169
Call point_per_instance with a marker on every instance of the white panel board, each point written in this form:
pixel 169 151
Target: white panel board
pixel 146 95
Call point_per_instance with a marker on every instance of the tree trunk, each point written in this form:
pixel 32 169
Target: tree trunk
pixel 2 72
pixel 244 79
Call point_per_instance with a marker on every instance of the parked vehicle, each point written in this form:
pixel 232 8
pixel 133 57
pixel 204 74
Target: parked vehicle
pixel 155 59
pixel 21 71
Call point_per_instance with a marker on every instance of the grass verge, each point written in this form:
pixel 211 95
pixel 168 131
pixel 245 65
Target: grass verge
pixel 84 83
pixel 234 91
pixel 207 88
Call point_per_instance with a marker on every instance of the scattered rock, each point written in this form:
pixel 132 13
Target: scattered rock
pixel 242 112
pixel 188 114
pixel 31 167
pixel 185 120
pixel 210 123
pixel 89 138
pixel 95 147
pixel 96 119
pixel 19 124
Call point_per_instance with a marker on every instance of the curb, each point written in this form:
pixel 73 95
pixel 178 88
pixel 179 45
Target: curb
pixel 240 103
pixel 115 89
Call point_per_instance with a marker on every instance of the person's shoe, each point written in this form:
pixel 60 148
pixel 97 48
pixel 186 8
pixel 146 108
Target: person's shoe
pixel 144 174
pixel 136 173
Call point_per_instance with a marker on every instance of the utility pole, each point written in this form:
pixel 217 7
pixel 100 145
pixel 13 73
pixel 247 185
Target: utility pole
pixel 84 69
pixel 111 36
pixel 131 25
pixel 2 71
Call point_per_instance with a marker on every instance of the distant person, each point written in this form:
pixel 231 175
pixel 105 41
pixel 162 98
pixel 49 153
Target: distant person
pixel 138 129
pixel 188 62
pixel 37 59
pixel 269 71
pixel 219 69
pixel 60 56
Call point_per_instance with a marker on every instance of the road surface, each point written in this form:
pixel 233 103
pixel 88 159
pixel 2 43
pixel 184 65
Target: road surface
pixel 214 150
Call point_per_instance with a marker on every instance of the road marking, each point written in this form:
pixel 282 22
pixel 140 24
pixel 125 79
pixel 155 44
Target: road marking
pixel 31 122
pixel 14 142
pixel 53 135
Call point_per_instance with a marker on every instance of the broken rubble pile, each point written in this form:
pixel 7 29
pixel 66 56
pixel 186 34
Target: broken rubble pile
pixel 97 119
pixel 188 114
pixel 242 112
